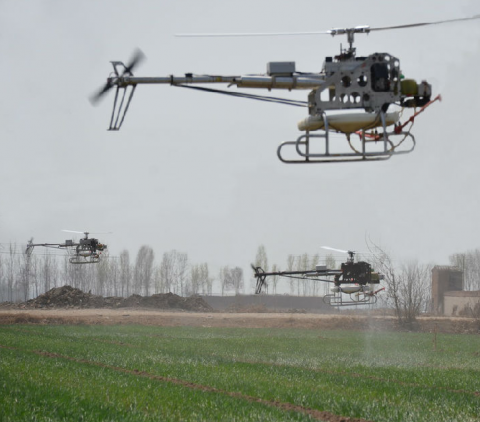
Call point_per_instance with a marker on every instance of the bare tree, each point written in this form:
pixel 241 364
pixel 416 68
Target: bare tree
pixel 290 267
pixel 469 263
pixel 225 279
pixel 413 289
pixel 2 279
pixel 199 280
pixel 81 277
pixel 302 265
pixel 102 276
pixel 143 269
pixel 331 265
pixel 181 272
pixel 158 282
pixel 206 280
pixel 114 276
pixel 313 266
pixel 330 262
pixel 48 271
pixel 87 275
pixel 54 272
pixel 261 259
pixel 167 270
pixel 125 273
pixel 195 280
pixel 406 287
pixel 75 275
pixel 274 278
pixel 236 275
pixel 10 271
pixel 25 275
pixel 173 271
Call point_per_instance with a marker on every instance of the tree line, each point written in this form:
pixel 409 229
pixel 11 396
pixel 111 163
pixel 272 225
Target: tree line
pixel 23 276
pixel 304 262
pixel 408 284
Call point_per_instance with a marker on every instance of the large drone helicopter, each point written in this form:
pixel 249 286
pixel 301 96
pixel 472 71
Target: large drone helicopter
pixel 371 85
pixel 85 251
pixel 353 282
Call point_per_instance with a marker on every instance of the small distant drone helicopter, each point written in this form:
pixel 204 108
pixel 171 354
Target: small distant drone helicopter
pixel 359 276
pixel 85 251
pixel 370 85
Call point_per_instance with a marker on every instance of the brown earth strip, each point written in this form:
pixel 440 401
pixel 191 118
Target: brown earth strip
pixel 178 318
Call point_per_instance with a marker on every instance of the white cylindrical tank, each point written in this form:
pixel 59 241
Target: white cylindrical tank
pixel 85 252
pixel 347 122
pixel 347 289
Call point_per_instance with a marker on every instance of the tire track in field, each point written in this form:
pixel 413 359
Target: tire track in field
pixel 114 342
pixel 316 414
pixel 325 371
pixel 370 377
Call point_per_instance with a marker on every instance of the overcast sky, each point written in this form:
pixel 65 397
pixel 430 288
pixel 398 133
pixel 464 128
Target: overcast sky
pixel 198 172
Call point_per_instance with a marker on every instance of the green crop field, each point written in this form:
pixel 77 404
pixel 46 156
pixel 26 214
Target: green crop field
pixel 139 373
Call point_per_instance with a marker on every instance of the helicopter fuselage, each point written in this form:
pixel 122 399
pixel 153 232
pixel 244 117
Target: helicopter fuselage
pixel 85 248
pixel 346 83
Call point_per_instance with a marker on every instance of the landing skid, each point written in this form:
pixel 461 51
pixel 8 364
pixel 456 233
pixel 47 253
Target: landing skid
pixel 82 260
pixel 385 143
pixel 356 299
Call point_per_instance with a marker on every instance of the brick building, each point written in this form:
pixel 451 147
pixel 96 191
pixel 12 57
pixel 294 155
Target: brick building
pixel 448 296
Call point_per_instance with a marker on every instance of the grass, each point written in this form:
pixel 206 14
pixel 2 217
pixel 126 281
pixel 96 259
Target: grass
pixel 50 373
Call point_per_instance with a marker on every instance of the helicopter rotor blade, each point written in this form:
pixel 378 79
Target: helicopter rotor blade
pixel 335 249
pixel 76 231
pixel 95 98
pixel 253 34
pixel 334 31
pixel 137 58
pixel 413 25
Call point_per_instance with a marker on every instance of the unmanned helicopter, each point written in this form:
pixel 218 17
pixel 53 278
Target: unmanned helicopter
pixel 372 86
pixel 85 251
pixel 353 282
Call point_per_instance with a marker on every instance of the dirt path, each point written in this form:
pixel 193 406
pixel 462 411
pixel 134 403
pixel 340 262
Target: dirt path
pixel 214 319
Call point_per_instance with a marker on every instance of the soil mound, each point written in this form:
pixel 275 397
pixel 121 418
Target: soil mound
pixel 63 297
pixel 167 301
pixel 70 297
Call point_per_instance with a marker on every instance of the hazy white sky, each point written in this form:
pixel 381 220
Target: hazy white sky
pixel 198 172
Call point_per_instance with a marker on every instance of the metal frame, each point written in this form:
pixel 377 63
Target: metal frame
pixel 303 146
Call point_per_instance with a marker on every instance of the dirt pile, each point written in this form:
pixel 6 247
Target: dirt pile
pixel 70 297
pixel 63 297
pixel 167 301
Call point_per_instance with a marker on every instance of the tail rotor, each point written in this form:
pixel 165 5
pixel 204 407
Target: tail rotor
pixel 120 70
pixel 260 275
